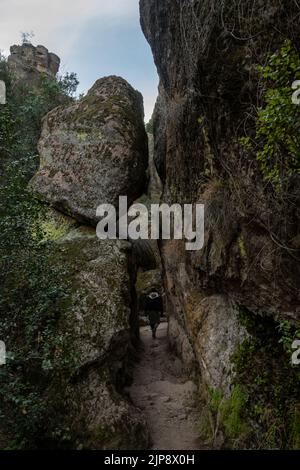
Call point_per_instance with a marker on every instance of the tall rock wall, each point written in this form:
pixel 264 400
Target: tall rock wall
pixel 207 53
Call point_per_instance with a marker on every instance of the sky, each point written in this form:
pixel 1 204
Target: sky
pixel 93 38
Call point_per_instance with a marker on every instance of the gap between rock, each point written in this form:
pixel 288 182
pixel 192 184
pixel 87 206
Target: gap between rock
pixel 164 395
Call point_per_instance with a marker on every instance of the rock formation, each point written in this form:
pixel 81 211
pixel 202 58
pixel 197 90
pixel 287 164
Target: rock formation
pixel 98 328
pixel 206 54
pixel 155 184
pixel 27 62
pixel 94 150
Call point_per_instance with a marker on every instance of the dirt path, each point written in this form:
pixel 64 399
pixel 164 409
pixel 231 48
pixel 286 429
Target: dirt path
pixel 166 398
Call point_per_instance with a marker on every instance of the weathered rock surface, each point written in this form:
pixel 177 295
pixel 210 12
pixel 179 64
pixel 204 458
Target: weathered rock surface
pixel 155 184
pixel 94 151
pixel 27 62
pixel 97 327
pixel 147 282
pixel 198 158
pixel 206 55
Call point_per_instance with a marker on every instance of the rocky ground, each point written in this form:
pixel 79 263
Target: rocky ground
pixel 165 395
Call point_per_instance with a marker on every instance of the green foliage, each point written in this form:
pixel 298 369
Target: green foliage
pixel 21 117
pixel 294 427
pixel 288 334
pixel 262 369
pixel 245 142
pixel 215 399
pixel 67 84
pixel 32 292
pixel 232 414
pixel 278 124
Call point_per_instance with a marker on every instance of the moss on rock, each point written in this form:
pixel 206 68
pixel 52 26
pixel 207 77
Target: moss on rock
pixel 89 355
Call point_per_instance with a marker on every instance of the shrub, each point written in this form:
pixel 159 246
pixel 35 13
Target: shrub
pixel 278 124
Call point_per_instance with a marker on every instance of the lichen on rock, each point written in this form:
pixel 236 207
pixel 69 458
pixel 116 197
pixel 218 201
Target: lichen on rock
pixel 96 327
pixel 94 151
pixel 207 55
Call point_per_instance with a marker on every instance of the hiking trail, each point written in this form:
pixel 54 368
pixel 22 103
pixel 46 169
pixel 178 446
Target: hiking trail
pixel 165 395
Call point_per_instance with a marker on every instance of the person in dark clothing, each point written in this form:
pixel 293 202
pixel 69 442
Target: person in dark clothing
pixel 154 309
pixel 154 320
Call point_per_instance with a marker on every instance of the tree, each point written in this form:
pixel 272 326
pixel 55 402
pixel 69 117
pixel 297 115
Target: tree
pixel 31 288
pixel 27 37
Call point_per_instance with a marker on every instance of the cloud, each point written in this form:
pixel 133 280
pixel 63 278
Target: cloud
pixel 49 20
pixel 92 37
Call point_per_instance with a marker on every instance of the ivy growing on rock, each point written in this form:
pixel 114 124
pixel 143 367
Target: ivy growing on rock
pixel 277 140
pixel 32 289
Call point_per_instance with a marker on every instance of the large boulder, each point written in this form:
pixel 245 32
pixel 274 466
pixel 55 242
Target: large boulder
pixel 98 328
pixel 94 150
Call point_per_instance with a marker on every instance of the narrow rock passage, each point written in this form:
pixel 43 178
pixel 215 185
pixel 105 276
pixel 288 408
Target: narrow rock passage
pixel 164 395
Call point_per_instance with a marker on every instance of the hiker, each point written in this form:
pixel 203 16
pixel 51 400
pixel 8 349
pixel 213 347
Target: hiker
pixel 154 311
